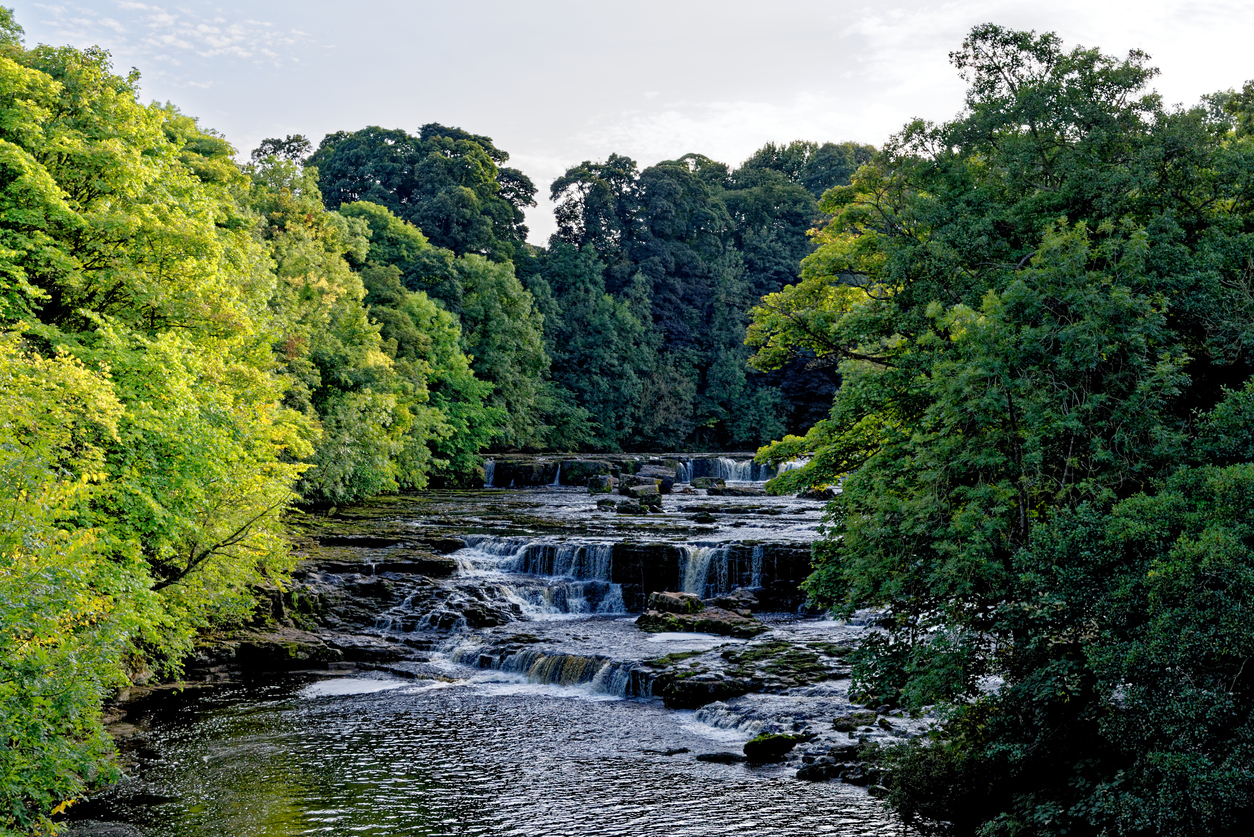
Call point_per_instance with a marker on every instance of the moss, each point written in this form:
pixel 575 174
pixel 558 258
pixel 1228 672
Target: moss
pixel 672 659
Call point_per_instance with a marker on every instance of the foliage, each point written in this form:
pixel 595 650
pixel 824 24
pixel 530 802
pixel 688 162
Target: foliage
pixel 448 183
pixel 1034 307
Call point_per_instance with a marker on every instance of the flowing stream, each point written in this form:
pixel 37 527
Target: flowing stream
pixel 540 724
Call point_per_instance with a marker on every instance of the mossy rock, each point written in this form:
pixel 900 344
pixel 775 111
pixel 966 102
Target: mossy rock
pixel 850 722
pixel 769 747
pixel 708 482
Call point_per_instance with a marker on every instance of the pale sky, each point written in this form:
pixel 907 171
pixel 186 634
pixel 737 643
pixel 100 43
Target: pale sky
pixel 556 82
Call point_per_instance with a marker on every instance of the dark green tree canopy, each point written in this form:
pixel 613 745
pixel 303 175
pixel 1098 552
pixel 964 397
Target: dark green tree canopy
pixel 449 183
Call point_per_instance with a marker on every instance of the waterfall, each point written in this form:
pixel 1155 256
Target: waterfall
pixel 544 579
pixel 755 571
pixel 569 560
pixel 597 674
pixel 489 473
pixel 683 473
pixel 733 470
pixel 557 478
pixel 706 570
pixel 791 465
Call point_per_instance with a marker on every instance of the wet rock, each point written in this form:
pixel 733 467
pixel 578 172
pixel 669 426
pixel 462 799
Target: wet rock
pixel 884 724
pixel 736 491
pixel 360 541
pixel 637 491
pixel 711 620
pixel 641 568
pixel 770 747
pixel 489 615
pixel 681 690
pixel 366 649
pixel 583 471
pixel 708 482
pixel 282 650
pixel 704 517
pixel 850 722
pixel 722 758
pixel 629 507
pixel 819 772
pixel 602 485
pixel 606 504
pixel 663 475
pixel 443 546
pixel 741 599
pixel 859 775
pixel 822 493
pixel 666 602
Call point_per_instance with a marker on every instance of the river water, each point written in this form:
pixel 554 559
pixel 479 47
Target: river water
pixel 447 744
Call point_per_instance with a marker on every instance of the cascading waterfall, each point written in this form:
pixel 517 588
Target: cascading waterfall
pixel 684 472
pixel 546 579
pixel 597 674
pixel 573 560
pixel 705 571
pixel 730 469
pixel 557 477
pixel 489 473
pixel 791 465
pixel 755 566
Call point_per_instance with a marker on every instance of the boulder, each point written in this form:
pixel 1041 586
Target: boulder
pixel 711 620
pixel 629 507
pixel 667 602
pixel 708 482
pixel 741 599
pixel 850 722
pixel 681 691
pixel 769 747
pixel 820 772
pixel 663 475
pixel 630 487
pixel 606 504
pixel 602 484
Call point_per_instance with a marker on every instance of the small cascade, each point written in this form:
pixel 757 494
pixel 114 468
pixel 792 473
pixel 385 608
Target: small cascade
pixel 706 571
pixel 683 473
pixel 733 470
pixel 557 477
pixel 597 674
pixel 570 560
pixel 755 567
pixel 544 579
pixel 489 473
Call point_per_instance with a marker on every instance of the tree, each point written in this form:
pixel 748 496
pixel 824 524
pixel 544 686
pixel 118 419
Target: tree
pixel 1026 305
pixel 448 183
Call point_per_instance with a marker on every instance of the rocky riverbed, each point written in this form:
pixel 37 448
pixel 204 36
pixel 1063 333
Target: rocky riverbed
pixel 691 610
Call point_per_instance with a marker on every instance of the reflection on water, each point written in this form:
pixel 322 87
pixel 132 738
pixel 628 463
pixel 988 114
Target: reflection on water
pixel 492 756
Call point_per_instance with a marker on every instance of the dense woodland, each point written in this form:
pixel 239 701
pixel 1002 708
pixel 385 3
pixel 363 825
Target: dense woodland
pixel 1019 340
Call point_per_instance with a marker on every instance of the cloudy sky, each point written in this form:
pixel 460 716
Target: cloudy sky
pixel 555 82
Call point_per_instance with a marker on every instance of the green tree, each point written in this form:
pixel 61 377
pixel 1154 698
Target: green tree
pixel 1027 305
pixel 448 183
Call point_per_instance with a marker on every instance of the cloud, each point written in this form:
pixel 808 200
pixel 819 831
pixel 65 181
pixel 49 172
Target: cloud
pixel 144 28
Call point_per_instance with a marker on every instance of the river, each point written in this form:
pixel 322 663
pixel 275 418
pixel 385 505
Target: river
pixel 542 723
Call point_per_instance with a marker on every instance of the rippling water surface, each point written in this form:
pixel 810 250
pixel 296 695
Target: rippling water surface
pixel 489 756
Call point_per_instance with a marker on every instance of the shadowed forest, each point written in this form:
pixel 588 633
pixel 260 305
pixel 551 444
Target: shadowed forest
pixel 1019 341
